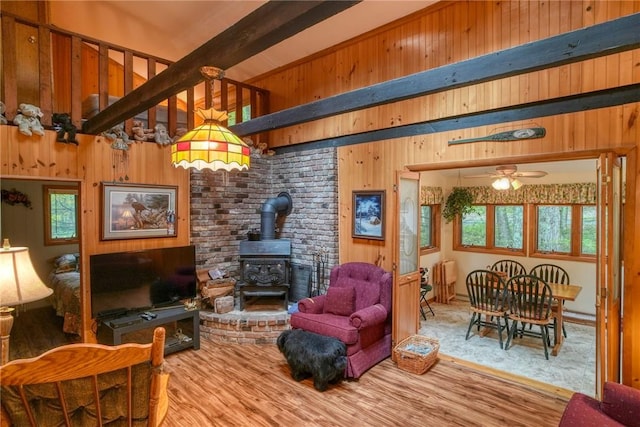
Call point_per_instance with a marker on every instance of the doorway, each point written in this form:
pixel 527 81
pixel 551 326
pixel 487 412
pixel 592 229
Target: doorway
pixel 567 171
pixel 53 321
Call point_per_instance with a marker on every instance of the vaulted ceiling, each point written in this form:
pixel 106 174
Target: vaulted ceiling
pixel 172 29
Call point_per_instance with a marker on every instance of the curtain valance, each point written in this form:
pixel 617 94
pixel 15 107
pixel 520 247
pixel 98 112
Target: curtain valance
pixel 577 193
pixel 431 195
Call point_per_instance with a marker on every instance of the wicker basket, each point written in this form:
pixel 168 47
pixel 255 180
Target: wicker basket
pixel 409 357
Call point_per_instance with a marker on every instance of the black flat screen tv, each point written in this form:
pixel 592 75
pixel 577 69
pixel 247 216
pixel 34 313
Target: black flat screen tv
pixel 126 282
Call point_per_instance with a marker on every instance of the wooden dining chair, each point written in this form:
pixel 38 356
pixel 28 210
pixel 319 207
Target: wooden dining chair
pixel 552 273
pixel 88 385
pixel 486 292
pixel 509 267
pixel 529 299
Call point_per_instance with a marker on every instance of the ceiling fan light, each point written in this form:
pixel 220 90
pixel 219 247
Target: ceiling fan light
pixel 515 184
pixel 501 184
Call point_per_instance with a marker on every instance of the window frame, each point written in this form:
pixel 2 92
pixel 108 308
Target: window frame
pixel 490 233
pixel 47 190
pixel 575 253
pixel 436 221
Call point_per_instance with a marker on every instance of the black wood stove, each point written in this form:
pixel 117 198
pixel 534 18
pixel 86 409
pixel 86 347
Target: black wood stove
pixel 265 264
pixel 265 268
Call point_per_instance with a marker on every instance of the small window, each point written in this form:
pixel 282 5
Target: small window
pixel 492 229
pixel 429 228
pixel 588 231
pixel 508 227
pixel 61 215
pixel 474 227
pixel 565 231
pixel 554 229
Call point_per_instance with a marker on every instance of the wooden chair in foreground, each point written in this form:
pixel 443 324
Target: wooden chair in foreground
pixel 552 273
pixel 61 386
pixel 486 292
pixel 529 300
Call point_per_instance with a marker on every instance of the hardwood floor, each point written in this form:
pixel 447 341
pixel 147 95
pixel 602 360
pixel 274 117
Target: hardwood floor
pixel 36 331
pixel 240 385
pixel 226 384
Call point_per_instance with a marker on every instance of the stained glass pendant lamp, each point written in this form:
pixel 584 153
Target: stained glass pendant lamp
pixel 211 145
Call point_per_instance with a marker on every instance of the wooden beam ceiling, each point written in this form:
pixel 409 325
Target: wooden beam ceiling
pixel 266 26
pixel 550 107
pixel 599 40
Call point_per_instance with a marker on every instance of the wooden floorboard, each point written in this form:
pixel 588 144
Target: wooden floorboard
pixel 226 384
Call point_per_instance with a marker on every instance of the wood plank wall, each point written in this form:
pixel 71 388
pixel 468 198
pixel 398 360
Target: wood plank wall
pixel 91 163
pixel 449 32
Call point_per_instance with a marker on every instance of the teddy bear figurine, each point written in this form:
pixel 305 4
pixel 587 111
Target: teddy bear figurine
pixel 3 119
pixel 140 133
pixel 161 136
pixel 118 137
pixel 63 125
pixel 28 120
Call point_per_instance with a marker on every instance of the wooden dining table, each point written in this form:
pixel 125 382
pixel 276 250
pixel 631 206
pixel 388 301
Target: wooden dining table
pixel 562 293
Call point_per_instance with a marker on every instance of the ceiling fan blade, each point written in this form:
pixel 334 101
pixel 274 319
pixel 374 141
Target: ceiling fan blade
pixel 530 174
pixel 483 175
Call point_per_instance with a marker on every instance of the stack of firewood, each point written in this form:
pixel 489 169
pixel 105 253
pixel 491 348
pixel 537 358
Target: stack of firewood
pixel 212 289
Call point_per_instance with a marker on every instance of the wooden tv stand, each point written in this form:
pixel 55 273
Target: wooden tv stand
pixel 133 328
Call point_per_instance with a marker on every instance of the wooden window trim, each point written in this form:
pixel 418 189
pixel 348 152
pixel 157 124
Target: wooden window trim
pixel 576 227
pixel 436 221
pixel 490 237
pixel 58 189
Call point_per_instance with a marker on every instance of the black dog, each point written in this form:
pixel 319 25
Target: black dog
pixel 313 355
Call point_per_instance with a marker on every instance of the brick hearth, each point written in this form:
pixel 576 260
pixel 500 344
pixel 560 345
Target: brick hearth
pixel 243 327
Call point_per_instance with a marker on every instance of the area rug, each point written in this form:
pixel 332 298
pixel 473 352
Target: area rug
pixel 573 368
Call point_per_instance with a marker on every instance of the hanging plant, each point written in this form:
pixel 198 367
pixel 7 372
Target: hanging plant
pixel 459 202
pixel 14 197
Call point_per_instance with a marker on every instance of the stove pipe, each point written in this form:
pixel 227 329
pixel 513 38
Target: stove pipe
pixel 271 207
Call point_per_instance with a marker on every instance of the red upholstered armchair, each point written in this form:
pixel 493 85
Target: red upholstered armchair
pixel 620 406
pixel 357 310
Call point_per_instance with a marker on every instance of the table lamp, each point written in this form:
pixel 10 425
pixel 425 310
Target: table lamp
pixel 19 284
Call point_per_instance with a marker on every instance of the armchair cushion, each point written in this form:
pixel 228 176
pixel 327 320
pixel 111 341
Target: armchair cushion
pixel 369 316
pixel 340 300
pixel 620 406
pixel 327 324
pixel 313 305
pixel 622 403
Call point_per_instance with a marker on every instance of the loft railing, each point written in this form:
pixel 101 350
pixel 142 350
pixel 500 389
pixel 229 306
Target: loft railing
pixel 64 72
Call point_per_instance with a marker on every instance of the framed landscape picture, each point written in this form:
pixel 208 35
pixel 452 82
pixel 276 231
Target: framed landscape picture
pixel 134 211
pixel 368 214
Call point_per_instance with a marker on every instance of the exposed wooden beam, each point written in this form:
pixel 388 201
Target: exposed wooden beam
pixel 551 107
pixel 266 26
pixel 611 37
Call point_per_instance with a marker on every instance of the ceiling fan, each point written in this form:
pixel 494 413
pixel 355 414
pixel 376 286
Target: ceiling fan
pixel 506 176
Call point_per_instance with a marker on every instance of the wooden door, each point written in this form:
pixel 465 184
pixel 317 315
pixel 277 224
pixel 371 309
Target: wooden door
pixel 406 256
pixel 608 270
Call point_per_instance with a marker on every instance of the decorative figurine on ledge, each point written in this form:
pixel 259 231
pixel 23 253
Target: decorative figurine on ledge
pixel 62 124
pixel 3 119
pixel 28 120
pixel 161 136
pixel 140 133
pixel 118 137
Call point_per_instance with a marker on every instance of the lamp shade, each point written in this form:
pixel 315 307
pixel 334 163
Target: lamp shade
pixel 504 183
pixel 501 183
pixel 19 282
pixel 211 146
